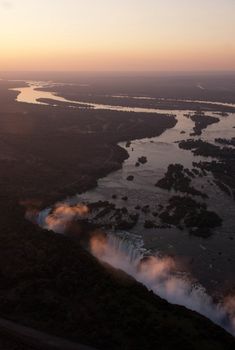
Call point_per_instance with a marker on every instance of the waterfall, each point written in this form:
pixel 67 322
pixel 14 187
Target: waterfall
pixel 160 275
pixel 41 217
pixel 128 245
pixel 125 251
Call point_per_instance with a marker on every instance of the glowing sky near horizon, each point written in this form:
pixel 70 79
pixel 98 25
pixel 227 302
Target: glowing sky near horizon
pixel 117 35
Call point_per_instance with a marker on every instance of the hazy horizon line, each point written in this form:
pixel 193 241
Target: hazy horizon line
pixel 229 71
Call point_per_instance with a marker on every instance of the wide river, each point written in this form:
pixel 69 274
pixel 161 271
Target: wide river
pixel 209 262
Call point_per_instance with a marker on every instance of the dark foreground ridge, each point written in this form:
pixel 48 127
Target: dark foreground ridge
pixel 20 337
pixel 47 281
pixel 53 285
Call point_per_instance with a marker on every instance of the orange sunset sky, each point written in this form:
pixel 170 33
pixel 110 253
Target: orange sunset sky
pixel 117 35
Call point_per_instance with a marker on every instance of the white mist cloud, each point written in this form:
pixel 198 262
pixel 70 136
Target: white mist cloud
pixel 62 215
pixel 160 276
